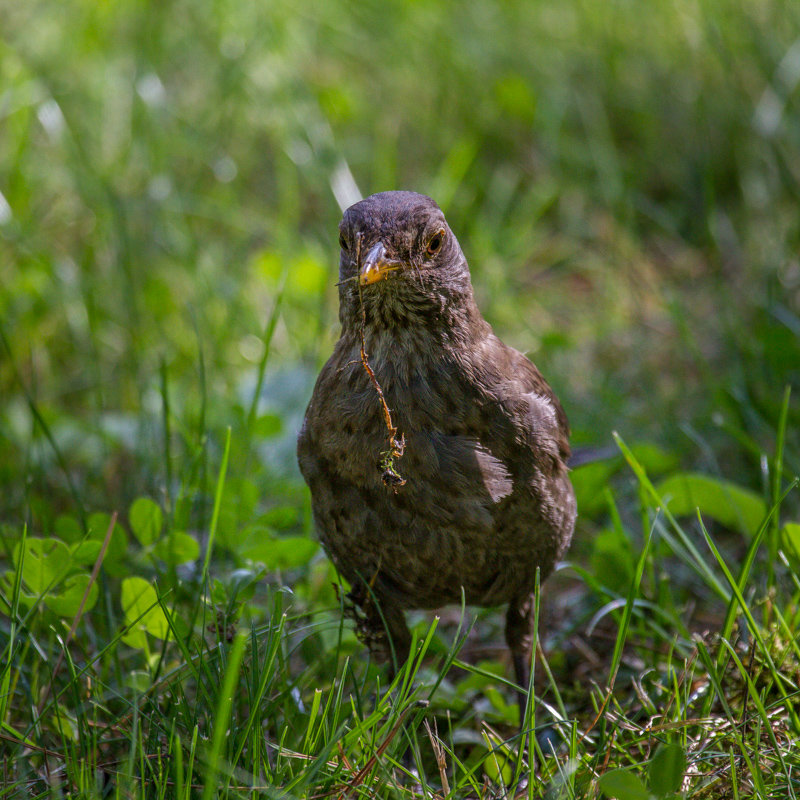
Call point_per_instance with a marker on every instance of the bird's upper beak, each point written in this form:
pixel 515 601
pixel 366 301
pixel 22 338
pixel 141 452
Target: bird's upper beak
pixel 375 266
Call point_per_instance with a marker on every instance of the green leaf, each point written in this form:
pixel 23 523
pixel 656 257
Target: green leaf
pixel 241 584
pixel 67 601
pixel 790 537
pixel 612 560
pixel 86 552
pixel 589 482
pixel 286 553
pixel 146 519
pixel 139 680
pixel 44 563
pixel 479 680
pixel 236 509
pixel 623 785
pixel 118 545
pixel 509 713
pixel 177 548
pixel 731 505
pixel 219 592
pixel 68 528
pixel 591 479
pixel 280 517
pixel 667 768
pixel 65 724
pixel 26 598
pixel 498 767
pixel 142 611
pixel 654 459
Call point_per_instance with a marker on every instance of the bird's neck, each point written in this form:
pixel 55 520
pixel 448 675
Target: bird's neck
pixel 416 343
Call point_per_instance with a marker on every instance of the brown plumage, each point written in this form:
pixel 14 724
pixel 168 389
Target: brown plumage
pixel 487 498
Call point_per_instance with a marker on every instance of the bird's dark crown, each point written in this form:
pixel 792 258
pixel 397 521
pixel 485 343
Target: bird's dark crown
pixel 399 219
pixel 427 270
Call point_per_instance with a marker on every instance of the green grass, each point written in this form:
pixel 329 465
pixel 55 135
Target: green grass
pixel 268 693
pixel 624 181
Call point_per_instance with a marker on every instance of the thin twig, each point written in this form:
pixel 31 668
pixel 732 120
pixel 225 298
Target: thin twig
pixel 390 476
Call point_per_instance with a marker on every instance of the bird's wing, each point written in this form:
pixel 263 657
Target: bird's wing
pixel 522 398
pixel 544 403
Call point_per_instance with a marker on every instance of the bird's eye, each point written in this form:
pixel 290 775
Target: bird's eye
pixel 343 242
pixel 435 243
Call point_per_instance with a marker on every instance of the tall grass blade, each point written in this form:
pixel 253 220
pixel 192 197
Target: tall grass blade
pixel 221 731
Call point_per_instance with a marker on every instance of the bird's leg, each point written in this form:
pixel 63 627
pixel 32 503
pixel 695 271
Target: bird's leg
pixel 519 623
pixel 397 651
pixel 382 627
pixel 397 642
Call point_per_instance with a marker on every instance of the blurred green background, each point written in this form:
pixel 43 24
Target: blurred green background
pixel 623 178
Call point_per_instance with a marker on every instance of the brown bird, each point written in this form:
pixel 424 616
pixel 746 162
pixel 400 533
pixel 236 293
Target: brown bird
pixel 436 455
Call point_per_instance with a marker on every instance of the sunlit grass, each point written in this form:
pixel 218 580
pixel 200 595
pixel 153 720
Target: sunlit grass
pixel 265 693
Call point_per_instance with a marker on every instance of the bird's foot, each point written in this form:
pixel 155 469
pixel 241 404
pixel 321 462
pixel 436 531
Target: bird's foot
pixel 369 627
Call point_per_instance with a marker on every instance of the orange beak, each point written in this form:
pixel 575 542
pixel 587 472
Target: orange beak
pixel 375 267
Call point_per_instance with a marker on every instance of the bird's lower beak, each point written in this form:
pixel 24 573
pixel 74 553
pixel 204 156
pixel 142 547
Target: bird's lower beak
pixel 375 267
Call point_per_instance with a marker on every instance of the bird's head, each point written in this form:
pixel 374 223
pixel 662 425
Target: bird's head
pixel 400 262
